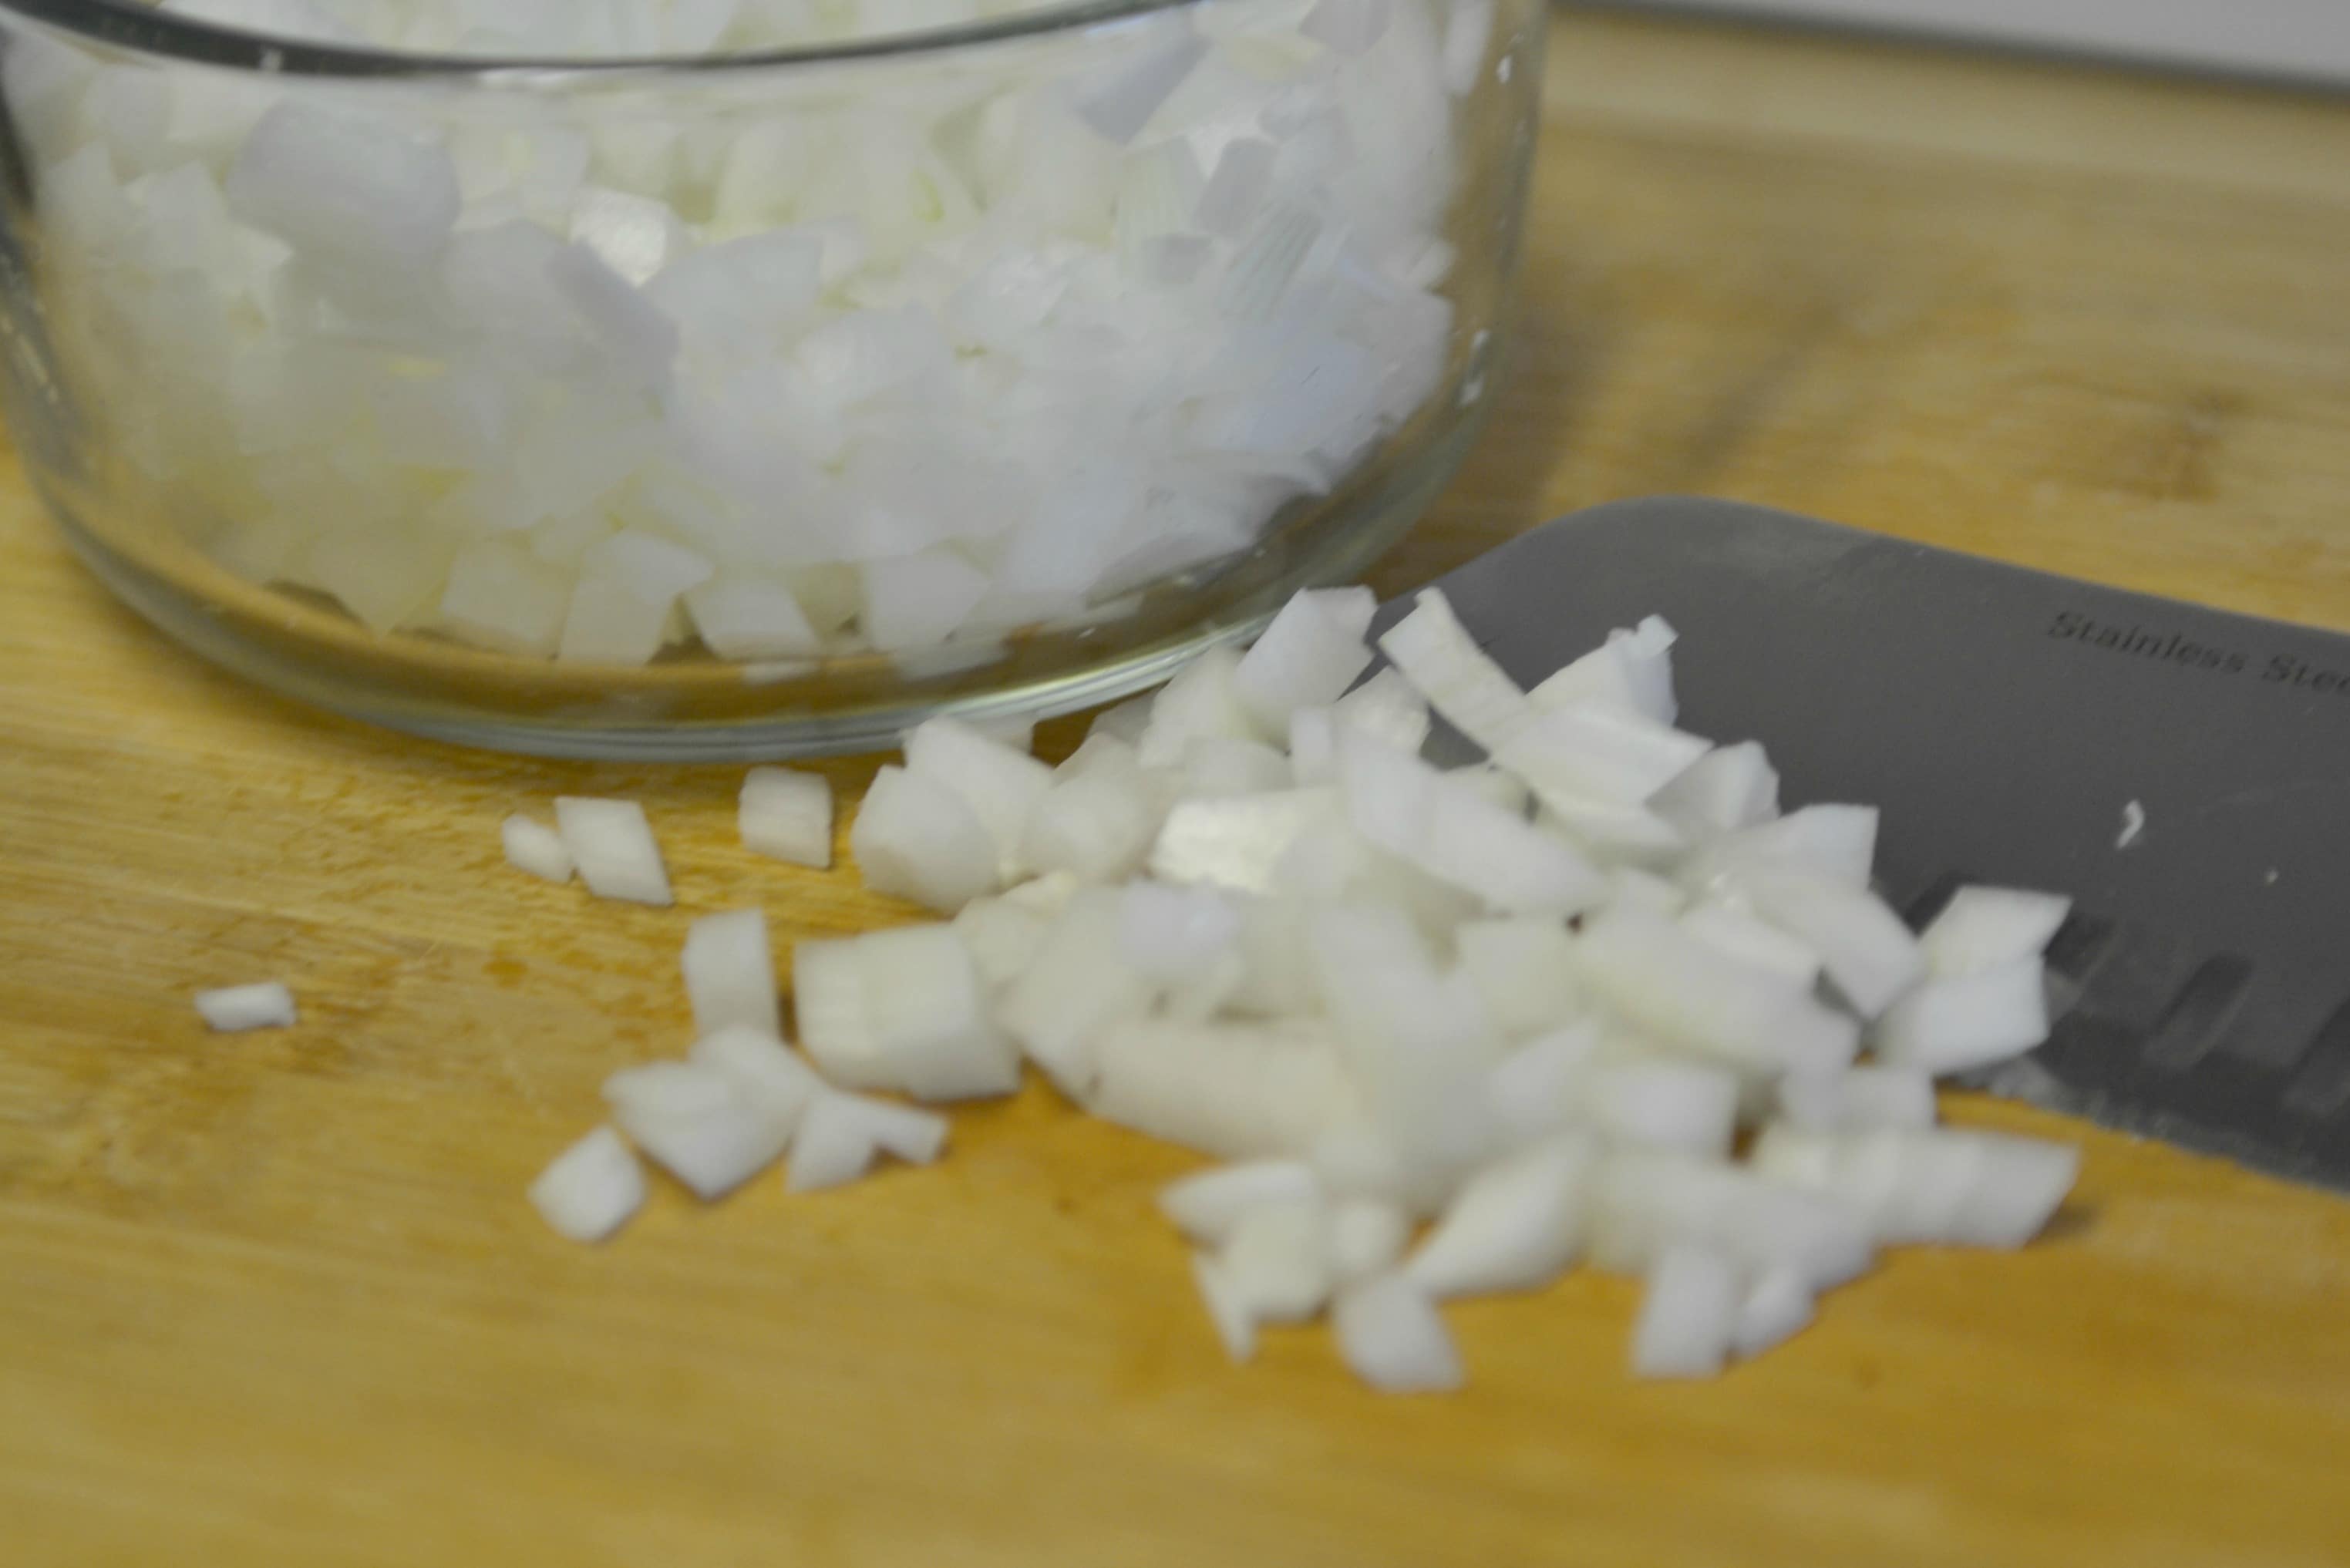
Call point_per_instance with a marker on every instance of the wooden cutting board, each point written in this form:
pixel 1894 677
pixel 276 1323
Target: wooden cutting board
pixel 276 1298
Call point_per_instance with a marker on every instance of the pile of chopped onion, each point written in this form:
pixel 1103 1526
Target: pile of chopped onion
pixel 1451 1032
pixel 930 352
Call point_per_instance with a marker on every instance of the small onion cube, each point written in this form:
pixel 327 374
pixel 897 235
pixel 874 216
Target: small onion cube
pixel 902 1132
pixel 1203 701
pixel 1002 784
pixel 1388 710
pixel 1728 789
pixel 1226 765
pixel 1508 863
pixel 1597 752
pixel 1666 1104
pixel 1018 734
pixel 1097 825
pixel 1524 971
pixel 1857 1100
pixel 916 838
pixel 730 974
pixel 612 845
pixel 535 848
pixel 1834 841
pixel 639 340
pixel 1308 657
pixel 1047 894
pixel 1206 1207
pixel 1119 101
pixel 1174 934
pixel 928 1012
pixel 1452 832
pixel 1356 1162
pixel 1127 720
pixel 1645 1200
pixel 1868 953
pixel 1633 669
pixel 1777 1306
pixel 841 1134
pixel 1611 830
pixel 267 1004
pixel 1634 888
pixel 1755 942
pixel 1990 928
pixel 359 189
pixel 747 615
pixel 694 1122
pixel 591 1188
pixel 1489 784
pixel 1367 1238
pixel 1277 1259
pixel 1468 30
pixel 1443 663
pixel 1393 1338
pixel 1662 979
pixel 2017 1190
pixel 762 1069
pixel 1079 985
pixel 1954 1186
pixel 1236 1091
pixel 1234 841
pixel 831 1148
pixel 1003 938
pixel 1349 26
pixel 1235 1324
pixel 1542 1086
pixel 786 813
pixel 1687 1316
pixel 1967 1022
pixel 904 1010
pixel 1515 1226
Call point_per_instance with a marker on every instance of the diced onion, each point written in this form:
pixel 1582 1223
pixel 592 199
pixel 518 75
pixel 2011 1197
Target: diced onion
pixel 612 845
pixel 762 1069
pixel 1388 995
pixel 1515 1226
pixel 1367 1238
pixel 591 1188
pixel 897 370
pixel 1235 1326
pixel 532 847
pixel 1966 1022
pixel 787 813
pixel 1207 1206
pixel 1990 928
pixel 730 974
pixel 1666 1104
pixel 1391 1336
pixel 919 839
pixel 1868 953
pixel 1002 784
pixel 693 1122
pixel 267 1004
pixel 1688 1316
pixel 1777 1306
pixel 1277 1259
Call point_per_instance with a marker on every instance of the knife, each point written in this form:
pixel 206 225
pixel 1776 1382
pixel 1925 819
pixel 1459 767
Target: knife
pixel 2182 773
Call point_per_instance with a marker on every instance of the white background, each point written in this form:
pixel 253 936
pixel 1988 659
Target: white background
pixel 2305 38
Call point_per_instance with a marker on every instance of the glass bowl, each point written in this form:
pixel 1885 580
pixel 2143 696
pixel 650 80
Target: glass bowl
pixel 750 403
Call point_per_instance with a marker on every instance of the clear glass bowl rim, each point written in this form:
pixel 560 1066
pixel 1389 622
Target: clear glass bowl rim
pixel 139 30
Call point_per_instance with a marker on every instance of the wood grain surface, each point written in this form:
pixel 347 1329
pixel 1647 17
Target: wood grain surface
pixel 276 1299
